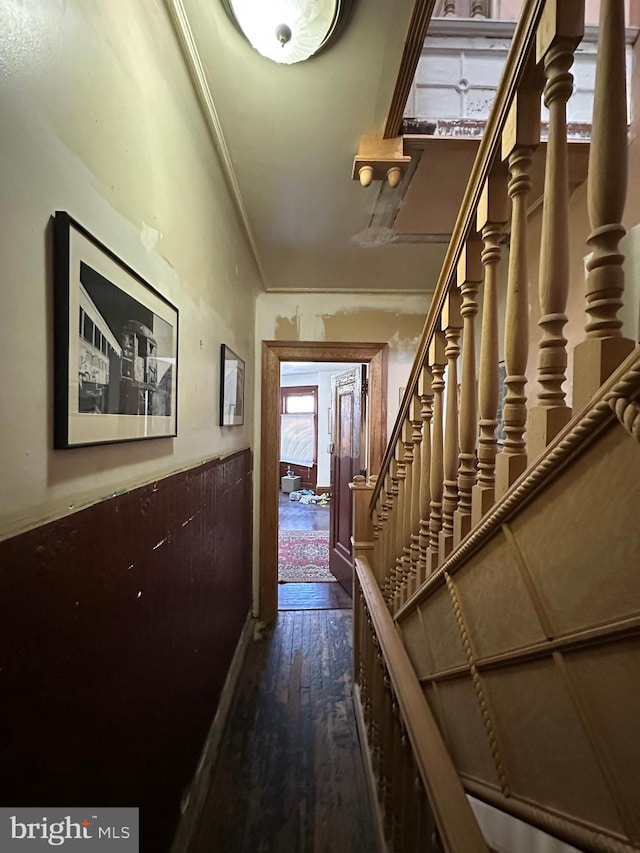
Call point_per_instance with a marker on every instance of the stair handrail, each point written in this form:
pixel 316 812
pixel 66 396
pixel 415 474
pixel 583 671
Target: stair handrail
pixel 457 826
pixel 515 65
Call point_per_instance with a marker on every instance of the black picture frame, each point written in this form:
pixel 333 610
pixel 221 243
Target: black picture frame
pixel 231 388
pixel 115 346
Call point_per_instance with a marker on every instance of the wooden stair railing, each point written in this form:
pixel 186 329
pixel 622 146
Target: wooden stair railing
pixel 465 469
pixel 444 471
pixel 424 805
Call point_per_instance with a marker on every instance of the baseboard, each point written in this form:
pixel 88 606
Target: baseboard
pixel 196 794
pixel 372 786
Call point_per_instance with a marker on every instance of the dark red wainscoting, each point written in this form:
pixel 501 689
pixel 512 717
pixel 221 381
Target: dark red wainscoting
pixel 117 627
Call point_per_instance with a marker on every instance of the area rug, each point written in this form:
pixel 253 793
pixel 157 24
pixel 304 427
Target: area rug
pixel 303 556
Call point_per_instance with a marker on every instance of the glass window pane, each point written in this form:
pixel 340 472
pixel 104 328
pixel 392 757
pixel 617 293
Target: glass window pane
pixel 300 403
pixel 297 439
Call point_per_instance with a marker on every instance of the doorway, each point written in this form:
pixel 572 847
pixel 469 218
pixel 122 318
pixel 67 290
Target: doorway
pixel 314 475
pixel 273 353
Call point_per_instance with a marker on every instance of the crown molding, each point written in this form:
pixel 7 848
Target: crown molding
pixel 184 33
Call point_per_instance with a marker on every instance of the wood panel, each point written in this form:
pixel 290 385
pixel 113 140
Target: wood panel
pixel 540 712
pixel 117 627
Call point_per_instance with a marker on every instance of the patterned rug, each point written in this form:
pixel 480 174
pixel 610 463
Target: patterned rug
pixel 303 556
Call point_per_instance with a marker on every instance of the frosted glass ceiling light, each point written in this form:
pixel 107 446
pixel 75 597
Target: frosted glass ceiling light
pixel 287 31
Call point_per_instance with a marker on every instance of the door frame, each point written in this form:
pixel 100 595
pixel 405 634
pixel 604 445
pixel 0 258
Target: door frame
pixel 273 352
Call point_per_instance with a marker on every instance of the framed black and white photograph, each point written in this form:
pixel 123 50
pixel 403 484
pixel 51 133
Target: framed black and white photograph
pixel 116 346
pixel 231 388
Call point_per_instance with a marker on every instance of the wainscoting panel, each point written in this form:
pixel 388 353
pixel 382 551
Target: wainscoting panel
pixel 117 627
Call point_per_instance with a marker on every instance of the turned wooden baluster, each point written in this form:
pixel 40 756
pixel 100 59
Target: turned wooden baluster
pixel 437 360
pixel 451 326
pixel 519 138
pixel 383 530
pixel 492 216
pixel 398 551
pixel 416 437
pixel 426 413
pixel 405 557
pixel 478 9
pixel 449 8
pixel 604 349
pixel 383 521
pixel 469 276
pixel 560 30
pixel 393 495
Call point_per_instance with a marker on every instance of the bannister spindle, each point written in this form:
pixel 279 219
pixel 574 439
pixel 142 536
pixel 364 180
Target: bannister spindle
pixel 416 437
pixel 519 138
pixel 492 216
pixel 381 545
pixel 451 326
pixel 407 443
pixel 426 413
pixel 389 559
pixel 399 521
pixel 560 31
pixel 604 349
pixel 469 275
pixel 437 360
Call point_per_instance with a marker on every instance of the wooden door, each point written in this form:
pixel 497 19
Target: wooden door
pixel 347 460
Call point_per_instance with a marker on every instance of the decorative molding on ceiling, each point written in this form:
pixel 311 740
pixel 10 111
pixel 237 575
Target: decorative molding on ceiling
pixel 182 27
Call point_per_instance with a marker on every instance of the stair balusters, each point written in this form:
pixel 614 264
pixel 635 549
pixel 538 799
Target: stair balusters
pixel 426 413
pixel 560 31
pixel 605 348
pixel 437 360
pixel 451 325
pixel 416 436
pixel 469 278
pixel 519 138
pixel 491 219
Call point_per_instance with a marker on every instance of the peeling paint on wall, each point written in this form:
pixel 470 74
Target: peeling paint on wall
pixel 149 236
pixel 400 330
pixel 286 329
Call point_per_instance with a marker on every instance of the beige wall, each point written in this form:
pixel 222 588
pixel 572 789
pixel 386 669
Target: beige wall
pixel 99 119
pixel 396 320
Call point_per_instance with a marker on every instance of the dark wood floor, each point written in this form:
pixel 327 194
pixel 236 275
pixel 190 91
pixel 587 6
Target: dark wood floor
pixel 289 778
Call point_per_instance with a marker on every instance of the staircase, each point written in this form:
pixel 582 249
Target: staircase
pixel 497 555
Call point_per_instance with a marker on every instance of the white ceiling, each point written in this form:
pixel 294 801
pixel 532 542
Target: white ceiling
pixel 291 133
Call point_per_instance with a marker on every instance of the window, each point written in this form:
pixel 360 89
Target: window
pixel 298 425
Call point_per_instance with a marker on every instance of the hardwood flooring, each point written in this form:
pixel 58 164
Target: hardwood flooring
pixel 328 595
pixel 289 777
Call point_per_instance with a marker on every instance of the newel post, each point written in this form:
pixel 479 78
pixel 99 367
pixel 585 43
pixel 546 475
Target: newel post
pixel 362 540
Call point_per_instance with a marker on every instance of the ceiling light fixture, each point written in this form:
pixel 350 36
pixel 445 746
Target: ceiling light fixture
pixel 287 31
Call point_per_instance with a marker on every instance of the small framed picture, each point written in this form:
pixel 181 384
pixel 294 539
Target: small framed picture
pixel 115 346
pixel 231 388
